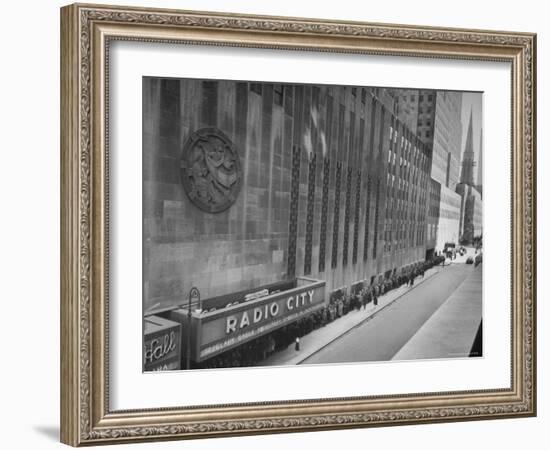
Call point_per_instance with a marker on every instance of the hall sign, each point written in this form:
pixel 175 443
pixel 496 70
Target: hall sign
pixel 226 328
pixel 161 344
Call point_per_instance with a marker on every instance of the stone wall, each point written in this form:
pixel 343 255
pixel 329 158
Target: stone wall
pixel 320 193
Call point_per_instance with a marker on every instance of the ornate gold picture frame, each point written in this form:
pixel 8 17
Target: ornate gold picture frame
pixel 87 32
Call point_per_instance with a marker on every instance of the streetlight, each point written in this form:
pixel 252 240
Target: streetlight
pixel 194 295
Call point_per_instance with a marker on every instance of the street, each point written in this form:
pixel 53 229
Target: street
pixel 381 337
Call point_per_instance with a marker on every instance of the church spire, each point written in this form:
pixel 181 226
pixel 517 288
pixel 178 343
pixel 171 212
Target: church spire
pixel 468 161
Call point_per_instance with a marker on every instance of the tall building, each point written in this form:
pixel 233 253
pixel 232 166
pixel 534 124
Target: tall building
pixel 260 186
pixel 407 107
pixel 437 115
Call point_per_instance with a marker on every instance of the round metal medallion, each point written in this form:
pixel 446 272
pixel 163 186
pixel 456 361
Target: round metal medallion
pixel 210 170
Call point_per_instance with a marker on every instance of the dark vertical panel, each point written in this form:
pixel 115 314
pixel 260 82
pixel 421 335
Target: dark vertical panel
pixel 336 220
pixel 381 131
pixel 241 112
pixel 372 126
pixel 209 110
pixel 293 219
pixel 265 148
pixel 169 107
pixel 361 148
pixel 324 211
pixel 347 217
pixel 309 213
pixel 298 113
pixel 278 94
pixel 286 162
pixel 376 217
pixel 164 159
pixel 341 130
pixel 288 95
pixel 367 217
pixel 315 107
pixel 352 148
pixel 330 106
pixel 356 217
pixel 305 124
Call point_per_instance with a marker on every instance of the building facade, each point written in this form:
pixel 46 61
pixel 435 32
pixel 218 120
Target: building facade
pixel 449 218
pixel 436 116
pixel 434 212
pixel 330 185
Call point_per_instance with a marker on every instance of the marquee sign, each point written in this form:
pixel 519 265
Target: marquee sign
pixel 226 328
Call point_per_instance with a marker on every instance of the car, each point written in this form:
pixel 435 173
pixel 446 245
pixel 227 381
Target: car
pixel 470 260
pixel 449 245
pixel 478 259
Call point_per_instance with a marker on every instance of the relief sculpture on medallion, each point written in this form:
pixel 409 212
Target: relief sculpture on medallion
pixel 210 170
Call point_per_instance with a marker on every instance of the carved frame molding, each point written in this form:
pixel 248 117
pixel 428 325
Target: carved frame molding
pixel 86 31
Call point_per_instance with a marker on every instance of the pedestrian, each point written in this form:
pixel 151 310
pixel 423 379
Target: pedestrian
pixel 297 344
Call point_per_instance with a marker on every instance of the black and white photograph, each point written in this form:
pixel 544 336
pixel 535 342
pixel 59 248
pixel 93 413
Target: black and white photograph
pixel 292 224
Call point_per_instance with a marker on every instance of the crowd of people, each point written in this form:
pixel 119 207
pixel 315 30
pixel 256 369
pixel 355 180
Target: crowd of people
pixel 254 352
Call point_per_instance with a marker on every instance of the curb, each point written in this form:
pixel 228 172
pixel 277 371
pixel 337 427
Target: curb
pixel 366 319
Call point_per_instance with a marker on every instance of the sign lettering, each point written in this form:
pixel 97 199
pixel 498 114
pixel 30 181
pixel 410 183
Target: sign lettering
pixel 243 319
pixel 159 347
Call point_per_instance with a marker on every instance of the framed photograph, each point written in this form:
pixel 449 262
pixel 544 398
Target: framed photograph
pixel 274 224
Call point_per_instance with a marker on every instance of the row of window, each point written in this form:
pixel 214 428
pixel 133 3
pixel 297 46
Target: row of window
pixel 406 191
pixel 421 97
pixel 281 90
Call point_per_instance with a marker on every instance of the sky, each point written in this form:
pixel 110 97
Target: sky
pixel 472 101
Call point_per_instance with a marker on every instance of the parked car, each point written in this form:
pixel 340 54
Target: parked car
pixel 479 258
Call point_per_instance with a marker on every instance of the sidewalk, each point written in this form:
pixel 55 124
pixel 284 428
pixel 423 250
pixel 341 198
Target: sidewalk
pixel 452 329
pixel 320 338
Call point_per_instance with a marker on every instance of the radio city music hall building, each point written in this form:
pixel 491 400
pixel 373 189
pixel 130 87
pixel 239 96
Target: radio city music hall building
pixel 301 192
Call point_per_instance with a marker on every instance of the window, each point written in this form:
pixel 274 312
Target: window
pixel 421 98
pixel 427 133
pixel 430 98
pixel 413 98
